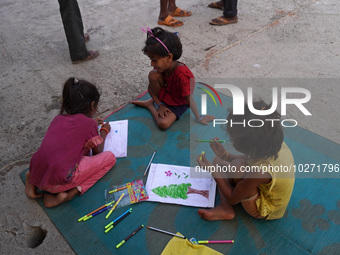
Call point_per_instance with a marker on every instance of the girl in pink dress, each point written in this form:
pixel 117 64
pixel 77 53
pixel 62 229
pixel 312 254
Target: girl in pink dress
pixel 61 167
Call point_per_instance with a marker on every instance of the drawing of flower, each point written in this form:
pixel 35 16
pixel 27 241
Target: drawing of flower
pixel 168 173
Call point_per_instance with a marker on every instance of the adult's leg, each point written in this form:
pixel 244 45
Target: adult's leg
pixel 229 14
pixel 74 29
pixel 163 13
pixel 164 18
pixel 230 8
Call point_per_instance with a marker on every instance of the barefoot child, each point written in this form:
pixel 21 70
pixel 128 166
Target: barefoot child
pixel 263 192
pixel 62 166
pixel 171 83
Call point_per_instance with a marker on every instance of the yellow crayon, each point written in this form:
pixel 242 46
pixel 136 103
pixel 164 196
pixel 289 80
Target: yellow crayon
pixel 203 152
pixel 108 215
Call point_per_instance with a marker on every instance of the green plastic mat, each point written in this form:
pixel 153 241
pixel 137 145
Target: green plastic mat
pixel 311 223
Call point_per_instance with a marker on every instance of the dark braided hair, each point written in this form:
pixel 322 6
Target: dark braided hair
pixel 256 142
pixel 78 96
pixel 155 48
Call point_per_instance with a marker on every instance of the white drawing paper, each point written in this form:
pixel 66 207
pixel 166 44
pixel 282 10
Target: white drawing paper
pixel 117 139
pixel 163 179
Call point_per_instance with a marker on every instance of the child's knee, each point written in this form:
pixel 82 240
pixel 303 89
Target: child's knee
pixel 110 158
pixel 155 81
pixel 163 124
pixel 154 76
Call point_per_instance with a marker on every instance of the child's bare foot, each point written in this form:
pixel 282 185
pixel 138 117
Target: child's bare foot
pixel 54 200
pixel 220 212
pixel 145 104
pixel 30 189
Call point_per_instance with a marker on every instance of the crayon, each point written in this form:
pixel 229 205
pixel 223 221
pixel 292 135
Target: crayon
pixel 210 141
pixel 216 241
pixel 115 190
pixel 112 222
pixel 129 236
pixel 146 170
pixel 165 232
pixel 108 215
pixel 117 221
pixel 85 216
pixel 203 152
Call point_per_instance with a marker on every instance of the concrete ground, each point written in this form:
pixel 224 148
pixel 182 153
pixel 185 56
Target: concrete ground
pixel 274 39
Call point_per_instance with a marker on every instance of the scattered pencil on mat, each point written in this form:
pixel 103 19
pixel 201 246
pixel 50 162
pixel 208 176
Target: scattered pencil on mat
pixel 165 232
pixel 210 141
pixel 115 190
pixel 112 224
pixel 129 236
pixel 216 241
pixel 108 215
pixel 97 211
pixel 146 170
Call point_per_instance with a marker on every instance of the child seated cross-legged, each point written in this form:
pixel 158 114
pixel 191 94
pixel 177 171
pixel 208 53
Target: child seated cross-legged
pixel 263 180
pixel 61 166
pixel 171 82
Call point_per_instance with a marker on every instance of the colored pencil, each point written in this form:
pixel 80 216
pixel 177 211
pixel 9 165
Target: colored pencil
pixel 108 204
pixel 94 214
pixel 210 141
pixel 217 241
pixel 112 222
pixel 203 152
pixel 117 221
pixel 129 236
pixel 146 170
pixel 165 232
pixel 115 190
pixel 108 215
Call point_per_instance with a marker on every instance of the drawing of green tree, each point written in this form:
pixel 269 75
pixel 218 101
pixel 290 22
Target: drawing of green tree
pixel 179 191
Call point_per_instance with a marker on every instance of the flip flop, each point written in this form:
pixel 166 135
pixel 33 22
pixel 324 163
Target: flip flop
pixel 180 13
pixel 171 22
pixel 215 6
pixel 221 21
pixel 93 54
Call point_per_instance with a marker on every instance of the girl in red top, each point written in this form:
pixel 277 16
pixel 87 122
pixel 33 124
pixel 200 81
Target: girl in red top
pixel 62 166
pixel 171 83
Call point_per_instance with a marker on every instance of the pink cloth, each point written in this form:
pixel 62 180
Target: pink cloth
pixel 90 169
pixel 67 139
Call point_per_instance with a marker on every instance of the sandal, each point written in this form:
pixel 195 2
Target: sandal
pixel 180 13
pixel 93 54
pixel 221 21
pixel 215 5
pixel 171 22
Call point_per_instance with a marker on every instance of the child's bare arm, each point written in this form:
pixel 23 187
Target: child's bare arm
pixel 105 129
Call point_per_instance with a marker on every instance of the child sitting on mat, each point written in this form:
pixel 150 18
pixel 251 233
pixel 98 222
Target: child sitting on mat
pixel 62 166
pixel 171 83
pixel 262 178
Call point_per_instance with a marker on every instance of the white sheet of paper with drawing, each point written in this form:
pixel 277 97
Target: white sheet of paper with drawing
pixel 172 184
pixel 117 140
